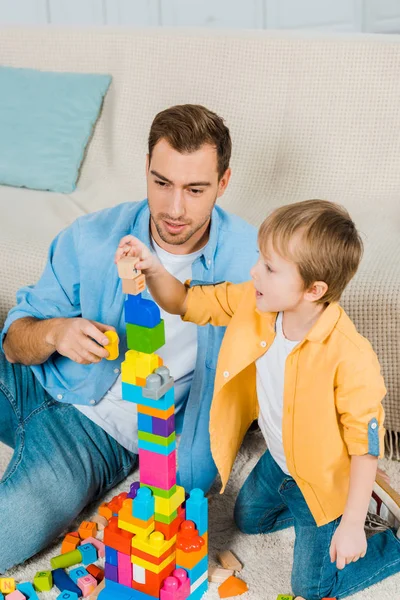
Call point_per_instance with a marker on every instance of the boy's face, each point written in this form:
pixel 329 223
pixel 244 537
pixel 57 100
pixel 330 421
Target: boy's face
pixel 182 190
pixel 277 282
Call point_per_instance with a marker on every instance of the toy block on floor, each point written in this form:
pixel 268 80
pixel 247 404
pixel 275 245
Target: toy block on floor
pixel 96 571
pixel 28 590
pixel 87 529
pixel 88 552
pixel 113 344
pixel 63 582
pixel 69 559
pixel 7 585
pixel 77 573
pixel 139 311
pixel 87 584
pixel 232 587
pixel 285 597
pixel 145 339
pixel 228 560
pixel 16 595
pixel 218 574
pixel 100 521
pixel 43 581
pixel 67 596
pixel 70 542
pixel 98 544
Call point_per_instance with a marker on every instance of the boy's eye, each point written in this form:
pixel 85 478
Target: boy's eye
pixel 268 268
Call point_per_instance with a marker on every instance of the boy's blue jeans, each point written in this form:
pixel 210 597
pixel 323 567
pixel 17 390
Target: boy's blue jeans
pixel 61 462
pixel 271 500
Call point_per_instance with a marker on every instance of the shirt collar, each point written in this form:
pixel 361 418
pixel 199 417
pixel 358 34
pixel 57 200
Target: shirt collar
pixel 141 230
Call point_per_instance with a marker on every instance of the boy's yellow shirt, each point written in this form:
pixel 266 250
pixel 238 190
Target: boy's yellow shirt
pixel 333 393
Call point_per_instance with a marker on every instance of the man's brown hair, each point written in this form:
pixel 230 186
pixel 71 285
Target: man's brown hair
pixel 320 238
pixel 187 127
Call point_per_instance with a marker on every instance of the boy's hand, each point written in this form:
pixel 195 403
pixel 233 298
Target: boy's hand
pixel 349 543
pixel 131 246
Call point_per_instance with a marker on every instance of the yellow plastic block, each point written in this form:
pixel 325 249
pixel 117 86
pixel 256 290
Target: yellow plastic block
pixel 138 364
pixel 152 567
pixel 155 544
pixel 7 585
pixel 113 345
pixel 128 522
pixel 166 506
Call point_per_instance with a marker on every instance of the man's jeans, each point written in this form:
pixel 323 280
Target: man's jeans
pixel 271 500
pixel 61 462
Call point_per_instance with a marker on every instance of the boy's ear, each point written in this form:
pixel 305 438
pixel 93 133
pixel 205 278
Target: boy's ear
pixel 316 291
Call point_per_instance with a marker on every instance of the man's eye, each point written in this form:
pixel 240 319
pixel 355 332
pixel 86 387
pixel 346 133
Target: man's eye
pixel 196 192
pixel 161 183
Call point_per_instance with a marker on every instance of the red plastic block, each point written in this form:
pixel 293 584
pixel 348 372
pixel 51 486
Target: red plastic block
pixel 117 538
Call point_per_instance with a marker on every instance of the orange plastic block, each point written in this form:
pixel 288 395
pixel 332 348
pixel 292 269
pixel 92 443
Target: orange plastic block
pixel 140 382
pixel 117 538
pixel 129 523
pixel 87 529
pixel 70 542
pixel 232 587
pixel 105 511
pixel 96 572
pixel 156 412
pixel 172 529
pixel 154 581
pixel 190 547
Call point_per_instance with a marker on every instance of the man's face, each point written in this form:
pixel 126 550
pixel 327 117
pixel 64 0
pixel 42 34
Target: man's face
pixel 182 190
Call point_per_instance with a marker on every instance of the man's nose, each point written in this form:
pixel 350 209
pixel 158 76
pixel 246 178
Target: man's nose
pixel 178 204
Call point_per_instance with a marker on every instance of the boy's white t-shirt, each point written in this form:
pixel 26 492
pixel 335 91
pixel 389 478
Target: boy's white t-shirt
pixel 270 369
pixel 118 417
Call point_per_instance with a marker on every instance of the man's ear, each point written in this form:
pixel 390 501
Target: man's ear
pixel 224 181
pixel 316 291
pixel 147 164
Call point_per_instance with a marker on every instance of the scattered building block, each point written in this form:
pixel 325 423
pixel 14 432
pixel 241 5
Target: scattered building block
pixel 89 553
pixel 218 574
pixel 87 529
pixel 87 584
pixel 232 587
pixel 16 595
pixel 96 571
pixel 70 542
pixel 69 559
pixel 228 560
pixel 7 585
pixel 67 596
pixel 101 522
pixel 77 573
pixel 43 581
pixel 98 544
pixel 63 582
pixel 28 590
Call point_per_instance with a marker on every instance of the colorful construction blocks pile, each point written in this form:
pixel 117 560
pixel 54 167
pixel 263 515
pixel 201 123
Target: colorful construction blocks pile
pixel 156 541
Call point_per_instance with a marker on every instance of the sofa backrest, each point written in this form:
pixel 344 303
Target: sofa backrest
pixel 310 115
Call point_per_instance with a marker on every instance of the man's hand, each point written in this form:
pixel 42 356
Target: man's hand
pixel 131 246
pixel 80 340
pixel 349 543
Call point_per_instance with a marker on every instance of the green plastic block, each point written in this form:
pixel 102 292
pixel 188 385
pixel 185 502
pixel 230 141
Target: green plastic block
pixel 284 597
pixel 43 581
pixel 157 439
pixel 164 519
pixel 160 492
pixel 69 559
pixel 145 339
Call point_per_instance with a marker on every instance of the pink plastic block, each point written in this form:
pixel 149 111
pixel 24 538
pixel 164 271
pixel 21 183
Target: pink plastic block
pixel 125 571
pixel 98 544
pixel 157 470
pixel 176 587
pixel 17 595
pixel 87 584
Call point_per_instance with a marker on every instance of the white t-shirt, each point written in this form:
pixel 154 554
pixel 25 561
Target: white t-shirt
pixel 118 417
pixel 270 368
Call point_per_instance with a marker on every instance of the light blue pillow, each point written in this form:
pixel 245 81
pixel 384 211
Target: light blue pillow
pixel 46 120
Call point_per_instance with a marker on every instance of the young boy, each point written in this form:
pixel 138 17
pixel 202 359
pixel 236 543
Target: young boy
pixel 292 358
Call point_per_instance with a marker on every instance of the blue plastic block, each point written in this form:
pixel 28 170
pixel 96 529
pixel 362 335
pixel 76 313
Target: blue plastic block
pixel 139 311
pixel 157 448
pixel 111 556
pixel 145 423
pixel 197 510
pixel 67 596
pixel 117 591
pixel 197 571
pixel 89 553
pixel 2 597
pixel 27 590
pixel 143 505
pixel 133 393
pixel 199 593
pixel 64 582
pixel 77 573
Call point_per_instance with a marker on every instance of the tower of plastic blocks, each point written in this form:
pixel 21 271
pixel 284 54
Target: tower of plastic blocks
pixel 157 538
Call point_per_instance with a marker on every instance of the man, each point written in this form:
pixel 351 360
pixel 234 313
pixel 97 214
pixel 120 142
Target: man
pixel 61 405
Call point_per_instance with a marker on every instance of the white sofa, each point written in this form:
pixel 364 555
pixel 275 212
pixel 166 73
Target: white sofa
pixel 310 116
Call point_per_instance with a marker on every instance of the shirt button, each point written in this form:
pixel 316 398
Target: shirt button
pixel 92 402
pixel 263 344
pixel 116 370
pixel 373 425
pixel 209 262
pixel 59 396
pixel 226 374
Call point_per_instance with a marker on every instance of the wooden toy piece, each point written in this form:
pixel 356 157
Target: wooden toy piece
pixel 127 267
pixel 96 571
pixel 66 595
pixel 70 542
pixel 134 286
pixel 63 582
pixel 17 595
pixel 94 595
pixel 89 553
pixel 88 529
pixel 87 584
pixel 7 585
pixel 77 573
pixel 43 581
pixel 113 345
pixel 66 560
pixel 28 590
pixel 98 545
pixel 285 597
pixel 232 587
pixel 228 560
pixel 218 574
pixel 100 521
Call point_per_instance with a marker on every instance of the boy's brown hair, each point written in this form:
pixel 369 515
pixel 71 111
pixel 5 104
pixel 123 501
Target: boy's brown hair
pixel 187 127
pixel 329 247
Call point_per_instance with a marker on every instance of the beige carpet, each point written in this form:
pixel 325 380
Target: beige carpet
pixel 267 559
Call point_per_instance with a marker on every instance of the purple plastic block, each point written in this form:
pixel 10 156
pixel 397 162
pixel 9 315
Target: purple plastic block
pixel 134 488
pixel 111 572
pixel 164 427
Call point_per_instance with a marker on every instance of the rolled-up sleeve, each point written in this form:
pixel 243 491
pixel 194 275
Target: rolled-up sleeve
pixel 57 293
pixel 213 304
pixel 359 392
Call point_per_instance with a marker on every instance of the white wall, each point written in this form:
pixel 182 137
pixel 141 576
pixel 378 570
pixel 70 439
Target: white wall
pixel 329 15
